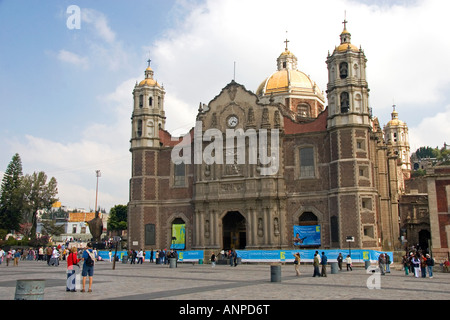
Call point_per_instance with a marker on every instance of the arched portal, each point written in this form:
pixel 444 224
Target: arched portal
pixel 424 238
pixel 178 238
pixel 234 231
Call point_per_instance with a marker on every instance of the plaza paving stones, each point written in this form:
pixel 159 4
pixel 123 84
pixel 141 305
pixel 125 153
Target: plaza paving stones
pixel 245 282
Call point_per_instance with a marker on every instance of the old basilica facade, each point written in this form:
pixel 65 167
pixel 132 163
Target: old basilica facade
pixel 300 163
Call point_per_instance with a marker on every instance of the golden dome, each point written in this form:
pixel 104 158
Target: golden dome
pixel 288 81
pixel 149 82
pixel 395 121
pixel 347 46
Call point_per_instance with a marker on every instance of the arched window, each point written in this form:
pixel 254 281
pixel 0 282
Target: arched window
pixel 307 169
pixel 141 101
pixel 343 70
pixel 179 175
pixel 304 111
pixel 307 218
pixel 150 101
pixel 139 129
pixel 345 102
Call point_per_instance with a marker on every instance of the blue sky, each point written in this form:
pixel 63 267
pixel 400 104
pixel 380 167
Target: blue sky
pixel 65 95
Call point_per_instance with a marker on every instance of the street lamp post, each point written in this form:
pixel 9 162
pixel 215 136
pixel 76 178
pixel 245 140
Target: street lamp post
pixel 98 174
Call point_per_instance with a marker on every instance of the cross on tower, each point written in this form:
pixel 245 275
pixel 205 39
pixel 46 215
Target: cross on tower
pixel 148 61
pixel 345 20
pixel 286 41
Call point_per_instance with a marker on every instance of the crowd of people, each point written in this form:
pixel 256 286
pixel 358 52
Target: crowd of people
pixel 158 256
pixel 418 264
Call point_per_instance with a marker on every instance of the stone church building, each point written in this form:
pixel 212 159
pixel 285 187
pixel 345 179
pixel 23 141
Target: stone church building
pixel 256 164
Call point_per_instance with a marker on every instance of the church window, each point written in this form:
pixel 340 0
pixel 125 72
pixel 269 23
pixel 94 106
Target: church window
pixel 139 128
pixel 150 234
pixel 141 101
pixel 369 231
pixel 363 172
pixel 179 175
pixel 303 110
pixel 307 218
pixel 150 101
pixel 343 70
pixel 366 203
pixel 307 169
pixel 345 102
pixel 361 144
pixel 284 65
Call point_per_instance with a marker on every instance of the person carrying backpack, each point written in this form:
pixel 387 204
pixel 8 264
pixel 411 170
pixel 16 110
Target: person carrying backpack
pixel 88 266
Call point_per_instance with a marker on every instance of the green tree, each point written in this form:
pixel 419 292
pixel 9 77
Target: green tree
pixel 117 220
pixel 38 195
pixel 50 228
pixel 427 152
pixel 11 196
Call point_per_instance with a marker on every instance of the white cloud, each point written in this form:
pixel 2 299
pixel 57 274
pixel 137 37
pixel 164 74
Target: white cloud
pixel 404 44
pixel 99 22
pixel 73 58
pixel 432 131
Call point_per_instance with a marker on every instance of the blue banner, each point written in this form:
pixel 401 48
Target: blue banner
pixel 357 255
pixel 307 235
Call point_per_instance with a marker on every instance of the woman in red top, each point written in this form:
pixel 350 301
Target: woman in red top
pixel 72 260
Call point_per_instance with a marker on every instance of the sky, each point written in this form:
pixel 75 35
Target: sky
pixel 66 93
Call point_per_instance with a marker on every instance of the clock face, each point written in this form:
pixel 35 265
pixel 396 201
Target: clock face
pixel 232 121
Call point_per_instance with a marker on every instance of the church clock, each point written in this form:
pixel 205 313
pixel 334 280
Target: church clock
pixel 232 121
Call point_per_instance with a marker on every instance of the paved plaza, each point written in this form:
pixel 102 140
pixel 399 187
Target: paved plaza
pixel 244 282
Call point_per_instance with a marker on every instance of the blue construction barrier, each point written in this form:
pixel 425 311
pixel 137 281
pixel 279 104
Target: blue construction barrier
pixel 307 255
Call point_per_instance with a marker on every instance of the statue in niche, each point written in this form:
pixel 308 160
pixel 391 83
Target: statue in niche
pixel 260 227
pixel 207 229
pixel 276 227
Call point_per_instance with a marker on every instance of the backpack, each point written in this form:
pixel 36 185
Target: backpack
pixel 89 260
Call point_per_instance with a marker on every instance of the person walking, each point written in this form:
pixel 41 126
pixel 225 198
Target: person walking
pixel 316 264
pixel 297 263
pixel 323 262
pixel 72 260
pixel 348 261
pixel 151 256
pixel 140 257
pixel 17 255
pixel 213 259
pixel 430 265
pixel 388 263
pixel 382 263
pixel 231 255
pixel 49 252
pixel 88 267
pixel 340 259
pixel 2 254
pixel 423 266
pixel 415 261
pixel 8 257
pixel 405 262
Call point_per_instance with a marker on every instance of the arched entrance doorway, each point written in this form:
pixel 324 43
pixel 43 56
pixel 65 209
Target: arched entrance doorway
pixel 234 231
pixel 178 237
pixel 424 237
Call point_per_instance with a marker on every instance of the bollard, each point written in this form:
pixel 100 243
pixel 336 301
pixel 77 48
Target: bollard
pixel 366 264
pixel 334 267
pixel 32 289
pixel 173 262
pixel 275 273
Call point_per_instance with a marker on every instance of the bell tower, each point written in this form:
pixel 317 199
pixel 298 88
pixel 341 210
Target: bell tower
pixel 347 89
pixel 353 193
pixel 148 111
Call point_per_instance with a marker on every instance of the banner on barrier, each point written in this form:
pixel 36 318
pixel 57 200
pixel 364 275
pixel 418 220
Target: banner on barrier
pixel 178 237
pixel 357 255
pixel 307 235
